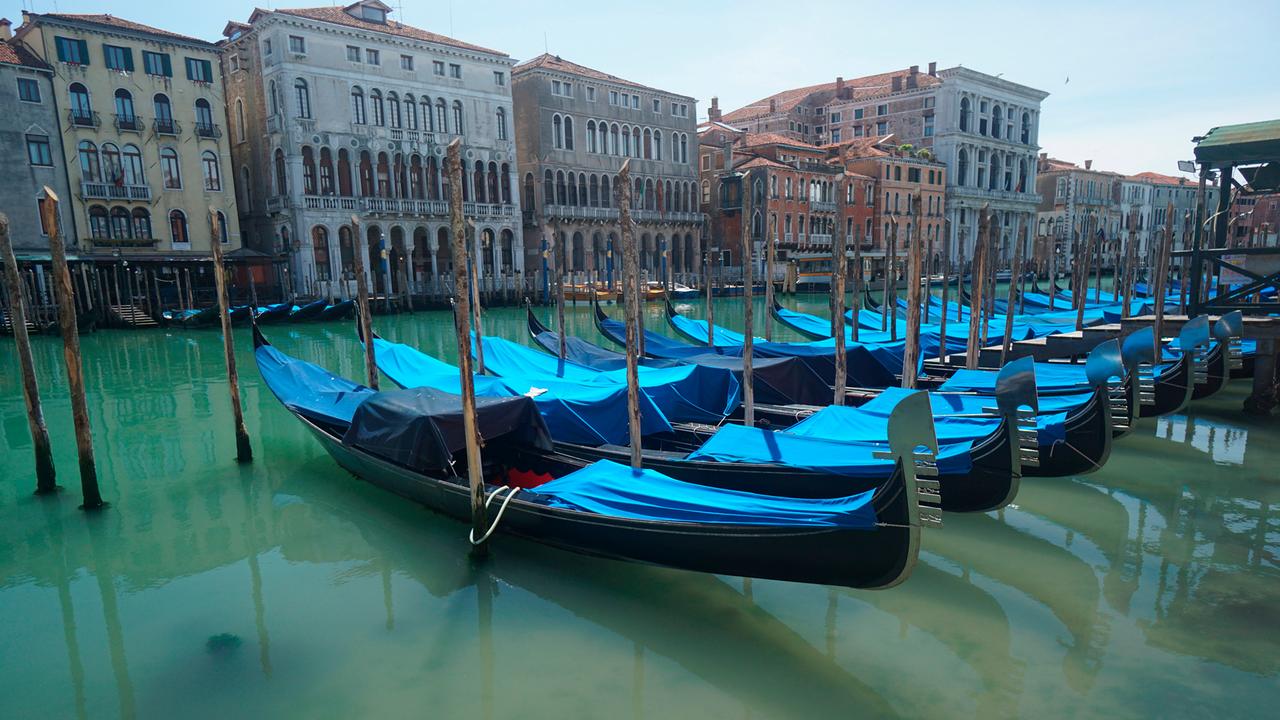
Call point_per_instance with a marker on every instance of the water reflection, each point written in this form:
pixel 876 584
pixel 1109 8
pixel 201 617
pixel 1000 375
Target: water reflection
pixel 1139 576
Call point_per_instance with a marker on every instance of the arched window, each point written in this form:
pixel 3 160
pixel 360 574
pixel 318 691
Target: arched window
pixel 648 144
pixel 582 189
pixel 591 136
pixel 965 112
pixel 996 121
pixel 684 148
pixel 308 171
pixel 393 109
pixel 164 113
pixel 635 141
pixel 962 167
pixel 282 176
pixel 562 192
pixel 99 223
pixel 124 109
pixel 178 227
pixel 606 195
pixel 573 189
pixel 492 178
pixel 112 171
pixel 1022 175
pixel 326 171
pixel 273 98
pixel 357 106
pixel 141 224
pixel 457 117
pixel 81 107
pixel 121 227
pixel 442 116
pixel 657 144
pixel 994 179
pixel 557 132
pixel 223 230
pixel 410 113
pixel 502 125
pixel 170 168
pixel 376 109
pixel 568 133
pixel 344 173
pixel 548 189
pixel 479 183
pixel 302 98
pixel 131 162
pixel 89 168
pixel 603 140
pixel 416 188
pixel 240 135
pixel 384 175
pixel 204 118
pixel 320 250
pixel 1026 128
pixel 626 141
pixel 346 251
pixel 209 166
pixel 614 146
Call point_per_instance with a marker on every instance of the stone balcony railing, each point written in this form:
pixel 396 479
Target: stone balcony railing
pixel 112 191
pixel 817 239
pixel 821 206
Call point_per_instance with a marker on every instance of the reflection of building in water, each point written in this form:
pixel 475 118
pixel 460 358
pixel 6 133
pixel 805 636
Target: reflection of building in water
pixel 1224 443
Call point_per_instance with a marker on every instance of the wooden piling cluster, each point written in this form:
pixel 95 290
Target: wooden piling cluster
pixel 978 273
pixel 840 273
pixel 631 298
pixel 911 352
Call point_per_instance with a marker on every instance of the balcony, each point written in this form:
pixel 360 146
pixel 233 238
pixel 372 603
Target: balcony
pixel 166 126
pixel 208 130
pixel 487 210
pixel 329 202
pixel 573 212
pixel 822 207
pixel 132 123
pixel 112 191
pixel 84 118
pixel 822 240
pixel 274 125
pixel 277 203
pixel 984 194
pixel 397 206
pixel 124 242
pixel 669 217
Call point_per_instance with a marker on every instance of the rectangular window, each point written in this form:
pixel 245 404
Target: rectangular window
pixel 834 118
pixel 28 90
pixel 857 113
pixel 373 57
pixel 499 78
pixel 706 162
pixel 353 53
pixel 913 175
pixel 297 44
pixel 234 62
pixel 882 128
pixel 38 151
pixel 406 62
pixel 882 109
pixel 657 105
pixel 928 126
pixel 591 94
pixel 613 97
pixel 635 102
pixel 437 67
pixel 118 58
pixel 857 131
pixel 70 50
pixel 929 102
pixel 154 63
pixel 199 70
pixel 455 71
pixel 266 46
pixel 835 135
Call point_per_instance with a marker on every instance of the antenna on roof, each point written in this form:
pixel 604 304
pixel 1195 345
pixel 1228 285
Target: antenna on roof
pixel 546 48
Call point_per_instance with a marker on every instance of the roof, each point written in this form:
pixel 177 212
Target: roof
pixel 861 88
pixel 111 21
pixel 339 16
pixel 758 162
pixel 14 53
pixel 547 61
pixel 1247 143
pixel 863 146
pixel 759 139
pixel 1156 178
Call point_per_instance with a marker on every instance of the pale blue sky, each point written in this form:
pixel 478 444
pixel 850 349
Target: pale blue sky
pixel 1144 76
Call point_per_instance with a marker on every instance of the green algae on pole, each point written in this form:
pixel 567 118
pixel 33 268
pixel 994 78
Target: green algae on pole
pixel 46 475
pixel 244 451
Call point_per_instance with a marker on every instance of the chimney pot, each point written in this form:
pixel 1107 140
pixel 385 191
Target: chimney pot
pixel 897 83
pixel 933 69
pixel 713 114
pixel 6 29
pixel 1088 164
pixel 773 105
pixel 839 84
pixel 915 69
pixel 1044 156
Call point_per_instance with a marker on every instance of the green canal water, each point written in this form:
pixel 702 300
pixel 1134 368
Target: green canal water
pixel 287 588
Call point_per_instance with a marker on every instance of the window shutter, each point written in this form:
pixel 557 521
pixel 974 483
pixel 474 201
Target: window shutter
pixel 168 67
pixel 84 51
pixel 61 44
pixel 128 59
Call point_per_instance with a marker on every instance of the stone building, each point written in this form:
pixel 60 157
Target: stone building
pixel 1077 203
pixel 30 130
pixel 575 126
pixel 341 111
pixel 990 160
pixel 142 137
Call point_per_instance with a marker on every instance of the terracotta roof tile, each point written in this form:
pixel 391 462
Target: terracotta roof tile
pixel 339 16
pixel 111 21
pixel 547 61
pixel 757 162
pixel 14 53
pixel 860 88
pixel 1156 178
pixel 758 139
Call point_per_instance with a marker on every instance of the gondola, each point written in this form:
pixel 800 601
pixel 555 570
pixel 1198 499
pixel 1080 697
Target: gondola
pixel 308 312
pixel 272 314
pixel 1169 389
pixel 866 541
pixel 341 310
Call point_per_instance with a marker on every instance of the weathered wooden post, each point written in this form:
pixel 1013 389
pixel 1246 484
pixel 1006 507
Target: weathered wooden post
pixel 557 256
pixel 1082 266
pixel 1130 268
pixel 769 258
pixel 978 274
pixel 362 304
pixel 748 307
pixel 630 271
pixel 46 476
pixel 840 273
pixel 71 354
pixel 855 306
pixel 462 328
pixel 244 451
pixel 889 299
pixel 1161 272
pixel 928 277
pixel 944 353
pixel 1098 227
pixel 476 322
pixel 711 307
pixel 911 353
pixel 1016 267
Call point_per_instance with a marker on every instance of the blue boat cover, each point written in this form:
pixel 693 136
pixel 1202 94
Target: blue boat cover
pixel 582 415
pixel 613 490
pixel 686 393
pixel 1051 379
pixel 739 444
pixel 308 389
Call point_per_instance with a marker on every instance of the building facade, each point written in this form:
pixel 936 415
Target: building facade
pixel 342 111
pixel 30 130
pixel 902 177
pixel 1077 203
pixel 575 126
pixel 140 113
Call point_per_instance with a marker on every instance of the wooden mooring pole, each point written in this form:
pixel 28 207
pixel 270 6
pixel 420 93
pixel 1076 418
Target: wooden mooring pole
pixel 631 298
pixel 1082 266
pixel 840 274
pixel 462 328
pixel 362 304
pixel 244 451
pixel 1016 268
pixel 770 257
pixel 711 307
pixel 911 353
pixel 476 321
pixel 944 352
pixel 748 307
pixel 71 354
pixel 1160 273
pixel 978 274
pixel 46 476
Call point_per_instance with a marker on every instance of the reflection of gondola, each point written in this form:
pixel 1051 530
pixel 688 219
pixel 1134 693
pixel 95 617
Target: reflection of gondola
pixel 310 311
pixel 341 310
pixel 844 547
pixel 272 314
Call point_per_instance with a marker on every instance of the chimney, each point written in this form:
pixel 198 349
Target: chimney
pixel 713 113
pixel 915 69
pixel 911 81
pixel 6 29
pixel 1044 156
pixel 897 83
pixel 1088 164
pixel 773 105
pixel 839 85
pixel 933 69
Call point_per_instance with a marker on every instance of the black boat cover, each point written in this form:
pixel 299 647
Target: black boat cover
pixel 422 428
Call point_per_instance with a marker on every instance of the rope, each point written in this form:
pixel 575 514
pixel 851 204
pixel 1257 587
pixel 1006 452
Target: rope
pixel 1074 449
pixel 471 535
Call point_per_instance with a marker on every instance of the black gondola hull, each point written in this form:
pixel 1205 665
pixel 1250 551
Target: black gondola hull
pixel 1087 444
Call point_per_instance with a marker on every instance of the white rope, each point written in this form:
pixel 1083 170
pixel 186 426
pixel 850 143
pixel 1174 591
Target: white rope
pixel 471 535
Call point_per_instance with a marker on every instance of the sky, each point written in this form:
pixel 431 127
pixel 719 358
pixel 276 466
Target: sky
pixel 1129 83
